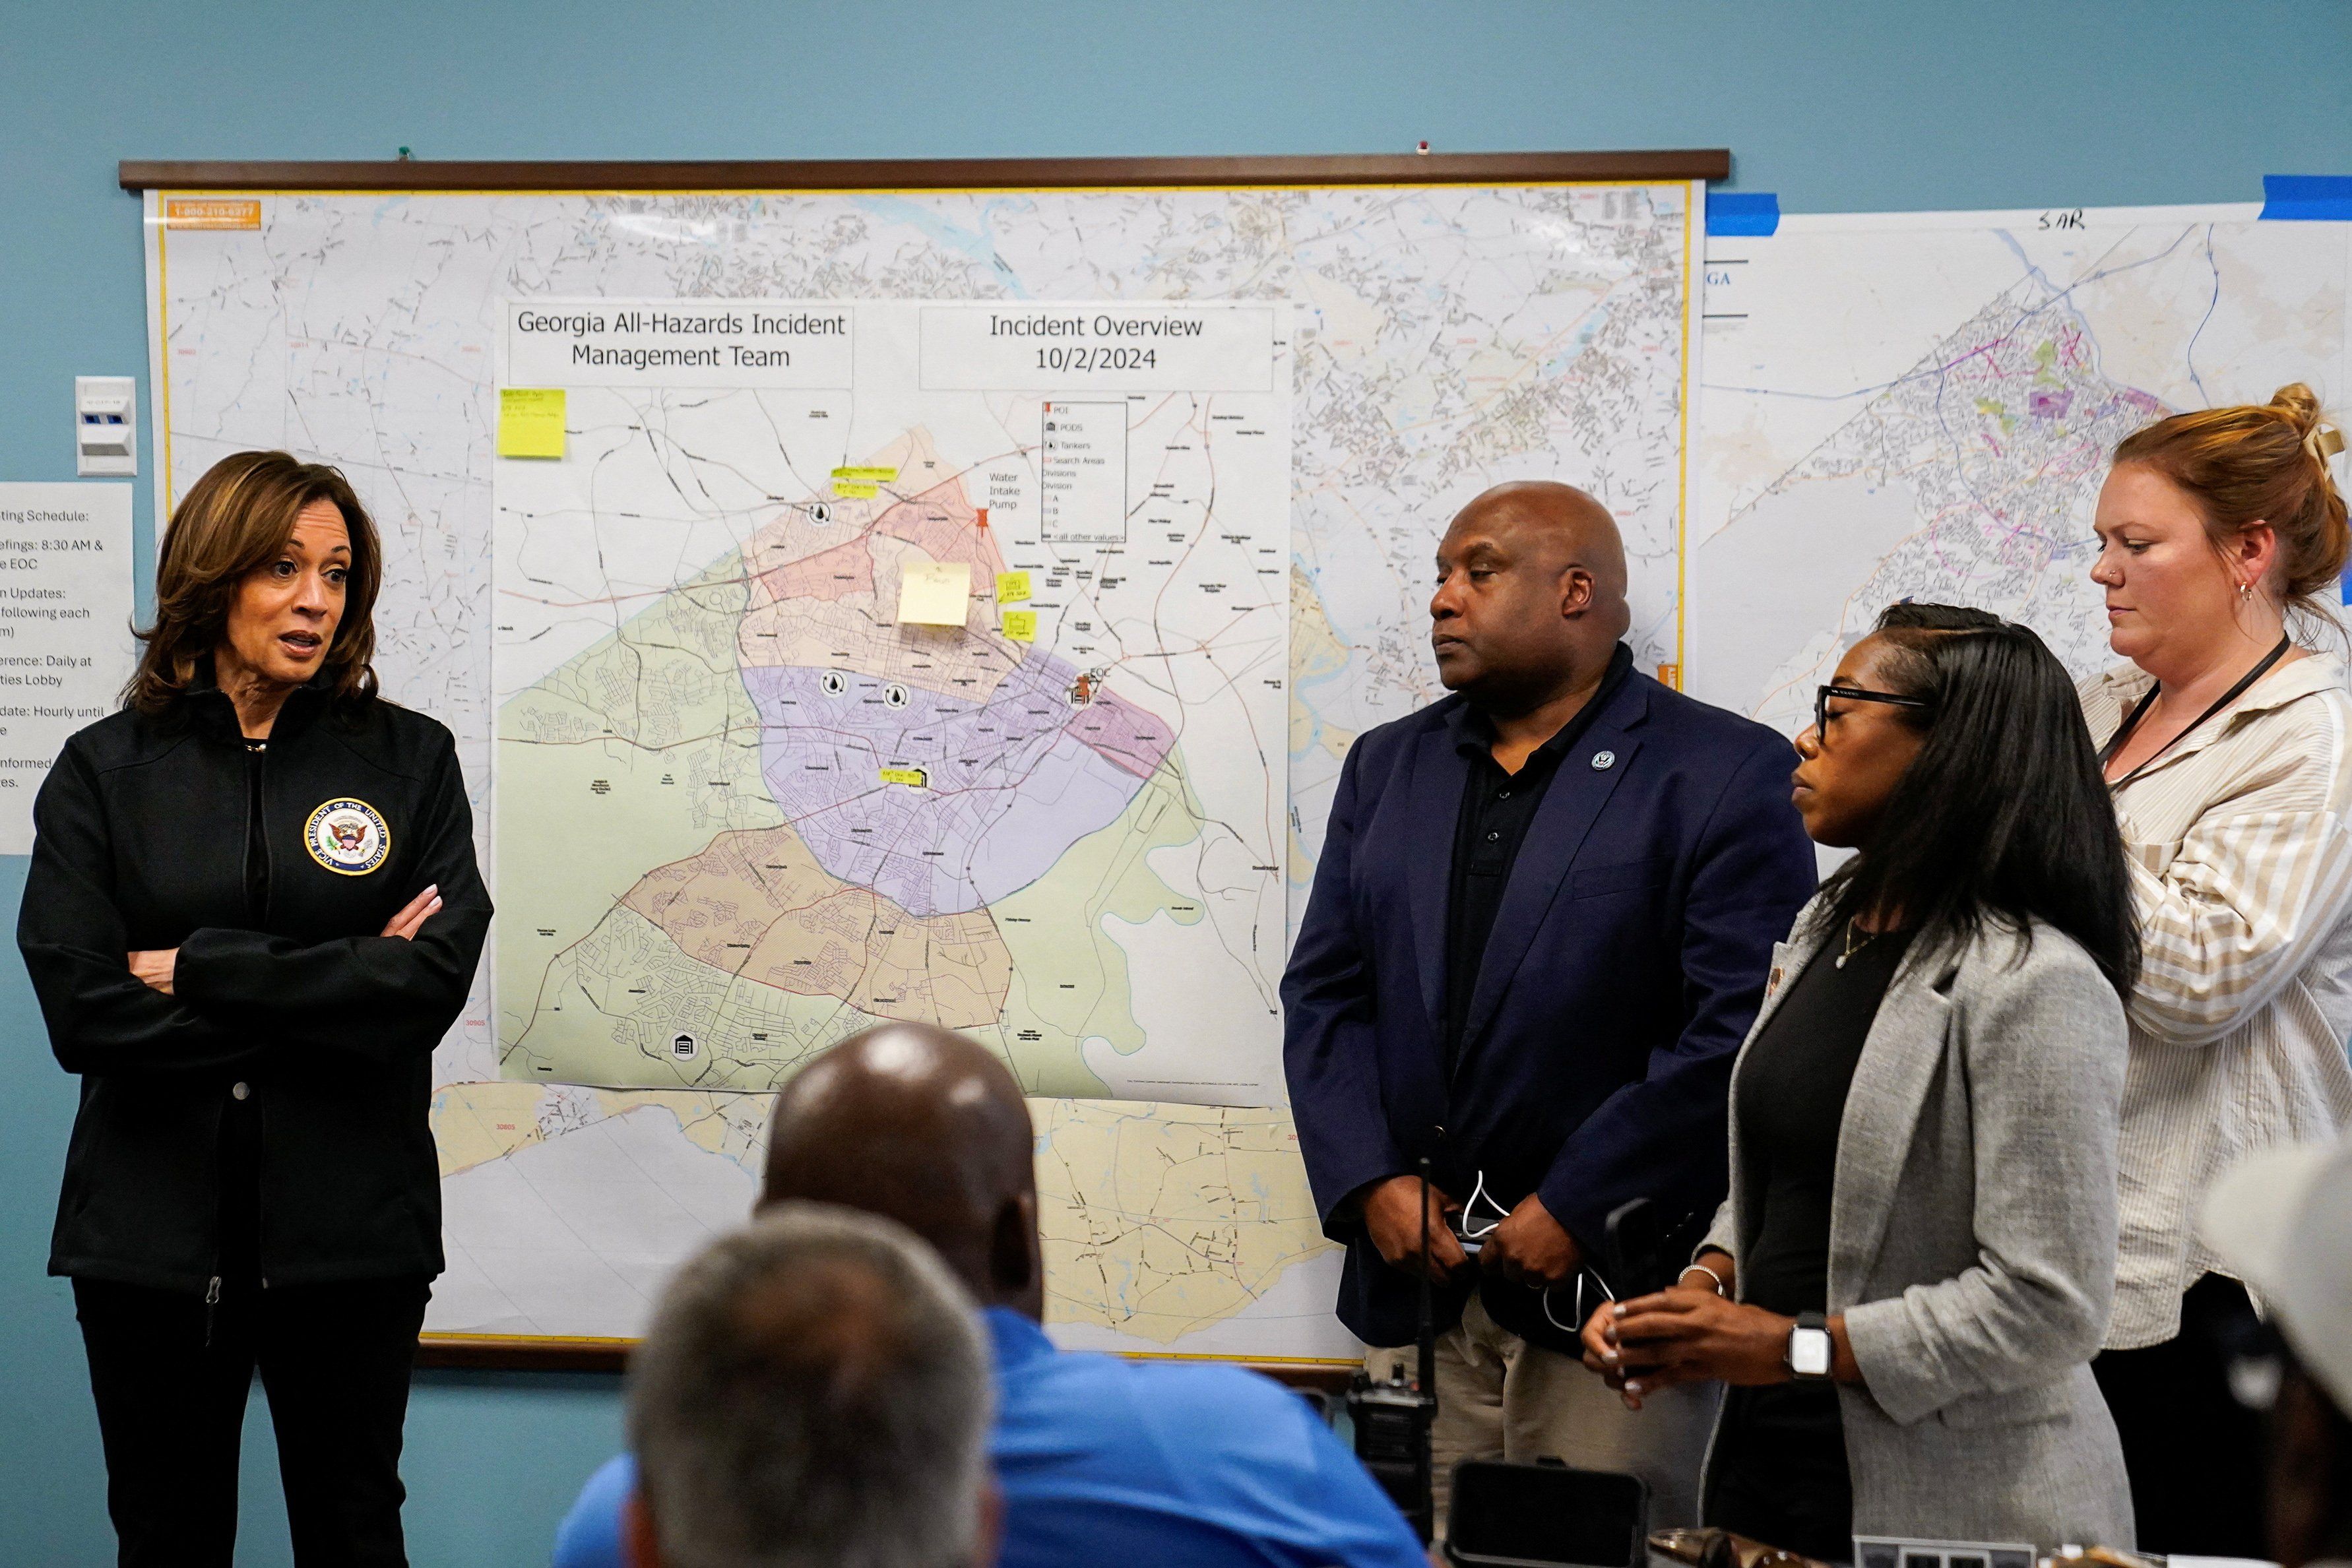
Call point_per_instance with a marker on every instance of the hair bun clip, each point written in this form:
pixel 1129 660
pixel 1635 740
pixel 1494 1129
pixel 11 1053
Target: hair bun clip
pixel 2324 442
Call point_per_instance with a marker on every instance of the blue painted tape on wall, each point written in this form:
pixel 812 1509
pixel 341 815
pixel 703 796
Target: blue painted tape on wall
pixel 2290 196
pixel 1742 212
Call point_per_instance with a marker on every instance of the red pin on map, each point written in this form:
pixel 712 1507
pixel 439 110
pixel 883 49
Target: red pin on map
pixel 981 512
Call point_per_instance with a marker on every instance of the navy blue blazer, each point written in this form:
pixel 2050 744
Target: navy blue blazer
pixel 1627 961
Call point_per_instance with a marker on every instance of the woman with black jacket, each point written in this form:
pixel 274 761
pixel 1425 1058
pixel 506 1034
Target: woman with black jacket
pixel 253 911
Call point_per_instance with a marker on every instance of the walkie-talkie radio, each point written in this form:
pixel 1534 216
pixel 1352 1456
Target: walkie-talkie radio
pixel 1393 1419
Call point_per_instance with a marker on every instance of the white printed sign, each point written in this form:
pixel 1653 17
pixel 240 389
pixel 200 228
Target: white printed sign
pixel 65 647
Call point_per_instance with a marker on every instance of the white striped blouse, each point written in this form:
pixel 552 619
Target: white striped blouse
pixel 2239 844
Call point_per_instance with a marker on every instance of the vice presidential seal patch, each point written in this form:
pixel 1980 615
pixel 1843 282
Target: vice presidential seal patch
pixel 347 837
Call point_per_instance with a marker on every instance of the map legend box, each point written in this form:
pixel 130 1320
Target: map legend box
pixel 1082 473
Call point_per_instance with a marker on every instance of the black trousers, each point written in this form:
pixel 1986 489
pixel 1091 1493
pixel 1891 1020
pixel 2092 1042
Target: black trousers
pixel 2194 1454
pixel 1778 1471
pixel 170 1378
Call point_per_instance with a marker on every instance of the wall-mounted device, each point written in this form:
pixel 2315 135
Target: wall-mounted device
pixel 106 428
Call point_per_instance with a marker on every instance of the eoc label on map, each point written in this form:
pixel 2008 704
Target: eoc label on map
pixel 65 650
pixel 754 783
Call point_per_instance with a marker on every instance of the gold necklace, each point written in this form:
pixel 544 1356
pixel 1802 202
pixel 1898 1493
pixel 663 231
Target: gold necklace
pixel 1853 946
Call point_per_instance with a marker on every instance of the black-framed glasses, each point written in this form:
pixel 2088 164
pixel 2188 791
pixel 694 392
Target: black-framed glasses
pixel 1821 695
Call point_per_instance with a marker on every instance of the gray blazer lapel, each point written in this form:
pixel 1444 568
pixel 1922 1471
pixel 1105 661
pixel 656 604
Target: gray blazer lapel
pixel 1899 1058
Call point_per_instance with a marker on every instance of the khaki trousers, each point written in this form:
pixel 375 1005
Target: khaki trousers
pixel 1500 1397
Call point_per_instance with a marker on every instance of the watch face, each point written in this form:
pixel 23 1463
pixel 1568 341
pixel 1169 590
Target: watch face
pixel 1808 1353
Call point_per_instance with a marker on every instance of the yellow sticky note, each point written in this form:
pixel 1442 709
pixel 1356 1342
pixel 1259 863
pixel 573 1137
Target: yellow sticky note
pixel 852 490
pixel 910 777
pixel 867 476
pixel 531 422
pixel 1021 625
pixel 935 592
pixel 1013 588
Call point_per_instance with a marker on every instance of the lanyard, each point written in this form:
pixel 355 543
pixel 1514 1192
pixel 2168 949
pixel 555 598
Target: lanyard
pixel 2131 720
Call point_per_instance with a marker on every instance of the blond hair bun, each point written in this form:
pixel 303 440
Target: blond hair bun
pixel 2300 404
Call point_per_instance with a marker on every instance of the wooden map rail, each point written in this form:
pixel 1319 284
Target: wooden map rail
pixel 501 1353
pixel 934 174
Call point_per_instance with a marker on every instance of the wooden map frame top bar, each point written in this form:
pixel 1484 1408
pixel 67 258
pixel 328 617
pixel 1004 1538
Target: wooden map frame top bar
pixel 934 174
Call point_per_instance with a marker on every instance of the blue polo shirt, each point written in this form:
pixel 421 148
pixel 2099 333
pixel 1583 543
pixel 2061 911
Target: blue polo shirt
pixel 1101 1460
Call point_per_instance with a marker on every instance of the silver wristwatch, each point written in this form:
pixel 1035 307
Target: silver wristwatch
pixel 1810 1353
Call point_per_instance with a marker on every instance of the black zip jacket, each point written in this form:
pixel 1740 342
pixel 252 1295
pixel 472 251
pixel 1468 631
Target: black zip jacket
pixel 323 1025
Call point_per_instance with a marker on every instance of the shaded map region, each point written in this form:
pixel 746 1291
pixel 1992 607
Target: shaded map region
pixel 732 735
pixel 626 1006
pixel 757 906
pixel 1010 782
pixel 1159 1219
pixel 1021 753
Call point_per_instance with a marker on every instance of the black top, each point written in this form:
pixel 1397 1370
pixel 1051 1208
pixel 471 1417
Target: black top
pixel 1791 1095
pixel 1497 808
pixel 284 988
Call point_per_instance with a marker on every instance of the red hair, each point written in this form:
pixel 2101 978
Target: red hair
pixel 2248 465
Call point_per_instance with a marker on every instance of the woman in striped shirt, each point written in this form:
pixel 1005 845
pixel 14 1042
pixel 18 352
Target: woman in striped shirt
pixel 2228 751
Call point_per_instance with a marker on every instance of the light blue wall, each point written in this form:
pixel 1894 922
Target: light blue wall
pixel 1855 104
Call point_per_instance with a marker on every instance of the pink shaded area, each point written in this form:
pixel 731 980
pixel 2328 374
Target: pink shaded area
pixel 1124 734
pixel 944 525
pixel 836 573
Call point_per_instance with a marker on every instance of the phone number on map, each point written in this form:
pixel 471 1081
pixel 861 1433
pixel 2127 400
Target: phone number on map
pixel 1080 359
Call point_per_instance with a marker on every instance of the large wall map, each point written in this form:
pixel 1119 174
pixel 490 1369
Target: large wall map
pixel 1442 338
pixel 756 811
pixel 1922 407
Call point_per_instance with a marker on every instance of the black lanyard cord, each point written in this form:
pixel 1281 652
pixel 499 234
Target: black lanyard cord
pixel 2131 720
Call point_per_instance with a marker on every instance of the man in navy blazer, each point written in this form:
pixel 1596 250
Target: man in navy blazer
pixel 1538 931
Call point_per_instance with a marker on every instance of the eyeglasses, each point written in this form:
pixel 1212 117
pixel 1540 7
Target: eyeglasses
pixel 1821 695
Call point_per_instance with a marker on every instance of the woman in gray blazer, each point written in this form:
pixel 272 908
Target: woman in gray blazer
pixel 1917 1261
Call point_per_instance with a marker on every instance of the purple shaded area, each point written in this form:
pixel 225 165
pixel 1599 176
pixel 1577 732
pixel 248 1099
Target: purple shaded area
pixel 1013 782
pixel 2051 404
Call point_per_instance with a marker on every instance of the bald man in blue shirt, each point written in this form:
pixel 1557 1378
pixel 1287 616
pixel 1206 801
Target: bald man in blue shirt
pixel 1099 1460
